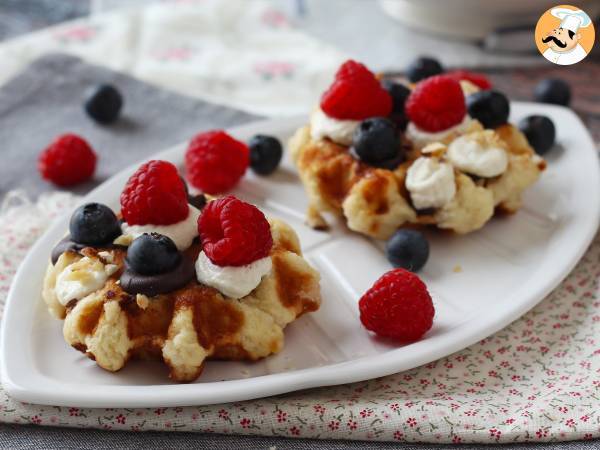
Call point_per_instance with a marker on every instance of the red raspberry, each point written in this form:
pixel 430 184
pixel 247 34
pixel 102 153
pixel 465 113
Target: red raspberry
pixel 155 194
pixel 234 233
pixel 215 161
pixel 67 161
pixel 478 79
pixel 437 103
pixel 355 94
pixel 398 306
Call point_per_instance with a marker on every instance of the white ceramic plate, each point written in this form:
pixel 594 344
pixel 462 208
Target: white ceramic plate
pixel 507 268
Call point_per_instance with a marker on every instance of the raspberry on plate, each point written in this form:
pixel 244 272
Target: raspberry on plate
pixel 436 103
pixel 68 160
pixel 215 162
pixel 355 94
pixel 234 233
pixel 478 79
pixel 397 306
pixel 155 194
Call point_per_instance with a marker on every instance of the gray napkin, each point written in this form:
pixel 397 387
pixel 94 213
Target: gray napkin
pixel 46 100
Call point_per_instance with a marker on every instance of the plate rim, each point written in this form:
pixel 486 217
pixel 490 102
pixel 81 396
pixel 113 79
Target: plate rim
pixel 60 394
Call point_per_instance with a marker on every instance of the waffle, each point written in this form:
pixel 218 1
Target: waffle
pixel 375 202
pixel 186 327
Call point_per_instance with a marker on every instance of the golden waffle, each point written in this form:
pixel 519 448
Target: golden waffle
pixel 375 201
pixel 188 326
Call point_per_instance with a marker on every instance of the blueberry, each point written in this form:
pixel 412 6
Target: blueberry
pixel 94 224
pixel 265 154
pixel 553 90
pixel 540 132
pixel 104 103
pixel 491 108
pixel 151 254
pixel 399 94
pixel 376 142
pixel 407 249
pixel 423 67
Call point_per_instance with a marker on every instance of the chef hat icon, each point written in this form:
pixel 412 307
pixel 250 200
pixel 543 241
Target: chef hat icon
pixel 571 19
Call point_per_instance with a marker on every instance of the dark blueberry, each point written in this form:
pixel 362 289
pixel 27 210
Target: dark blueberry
pixel 94 224
pixel 399 94
pixel 407 249
pixel 540 132
pixel 104 103
pixel 491 108
pixel 265 154
pixel 151 254
pixel 422 68
pixel 376 141
pixel 553 90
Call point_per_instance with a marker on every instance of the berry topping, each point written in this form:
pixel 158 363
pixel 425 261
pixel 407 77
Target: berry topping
pixel 67 161
pixel 94 224
pixel 540 132
pixel 153 253
pixel 104 103
pixel 265 154
pixel 215 162
pixel 234 233
pixel 154 195
pixel 376 142
pixel 491 108
pixel 398 306
pixel 422 68
pixel 436 104
pixel 553 90
pixel 399 94
pixel 407 249
pixel 478 79
pixel 355 94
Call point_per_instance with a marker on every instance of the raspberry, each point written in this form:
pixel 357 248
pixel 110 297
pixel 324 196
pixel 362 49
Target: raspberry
pixel 355 94
pixel 478 79
pixel 397 306
pixel 68 160
pixel 234 233
pixel 155 194
pixel 215 161
pixel 437 103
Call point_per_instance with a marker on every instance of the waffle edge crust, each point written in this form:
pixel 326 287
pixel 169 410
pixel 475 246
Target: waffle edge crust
pixel 375 202
pixel 186 327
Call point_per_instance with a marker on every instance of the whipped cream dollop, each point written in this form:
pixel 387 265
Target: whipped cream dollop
pixel 430 182
pixel 478 154
pixel 81 278
pixel 421 138
pixel 232 281
pixel 338 130
pixel 181 233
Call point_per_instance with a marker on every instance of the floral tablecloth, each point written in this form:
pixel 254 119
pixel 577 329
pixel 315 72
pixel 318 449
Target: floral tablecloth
pixel 536 380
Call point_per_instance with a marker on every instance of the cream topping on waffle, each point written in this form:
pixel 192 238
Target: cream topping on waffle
pixel 422 137
pixel 181 233
pixel 234 282
pixel 82 278
pixel 339 131
pixel 430 183
pixel 478 154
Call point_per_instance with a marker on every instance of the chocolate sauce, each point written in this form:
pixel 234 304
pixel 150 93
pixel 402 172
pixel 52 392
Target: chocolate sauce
pixel 162 283
pixel 68 245
pixel 65 245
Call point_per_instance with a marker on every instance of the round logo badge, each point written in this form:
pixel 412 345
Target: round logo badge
pixel 564 35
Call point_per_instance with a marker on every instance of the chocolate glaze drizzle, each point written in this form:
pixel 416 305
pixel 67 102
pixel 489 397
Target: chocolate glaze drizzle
pixel 66 244
pixel 162 283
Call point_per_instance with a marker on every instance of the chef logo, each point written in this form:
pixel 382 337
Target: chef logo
pixel 564 35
